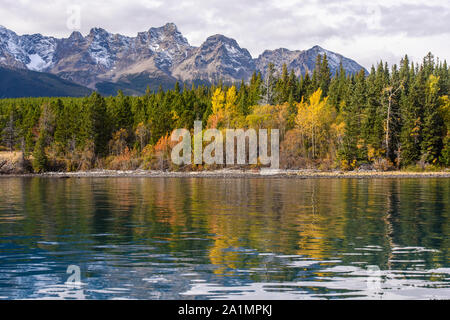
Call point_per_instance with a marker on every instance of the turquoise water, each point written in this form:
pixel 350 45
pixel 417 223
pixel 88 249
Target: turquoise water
pixel 164 238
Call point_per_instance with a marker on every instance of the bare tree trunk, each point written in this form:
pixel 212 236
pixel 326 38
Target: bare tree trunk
pixel 388 120
pixel 391 93
pixel 10 134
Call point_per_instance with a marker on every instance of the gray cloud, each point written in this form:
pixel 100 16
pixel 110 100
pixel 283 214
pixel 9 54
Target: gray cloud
pixel 417 20
pixel 348 26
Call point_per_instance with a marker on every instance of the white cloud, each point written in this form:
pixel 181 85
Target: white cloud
pixel 364 31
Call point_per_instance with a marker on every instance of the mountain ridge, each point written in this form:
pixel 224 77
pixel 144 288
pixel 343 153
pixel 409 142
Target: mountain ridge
pixel 20 83
pixel 159 53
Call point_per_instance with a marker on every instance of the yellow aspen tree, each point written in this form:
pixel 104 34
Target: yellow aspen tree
pixel 313 120
pixel 231 111
pixel 218 108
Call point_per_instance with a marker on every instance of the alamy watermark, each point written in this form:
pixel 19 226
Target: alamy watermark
pixel 74 280
pixel 374 279
pixel 235 151
pixel 73 21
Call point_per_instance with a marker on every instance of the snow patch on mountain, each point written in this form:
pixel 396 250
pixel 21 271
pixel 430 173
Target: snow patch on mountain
pixel 100 55
pixel 232 51
pixel 36 62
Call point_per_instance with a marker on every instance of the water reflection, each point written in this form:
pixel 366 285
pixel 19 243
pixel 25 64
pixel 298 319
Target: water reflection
pixel 145 238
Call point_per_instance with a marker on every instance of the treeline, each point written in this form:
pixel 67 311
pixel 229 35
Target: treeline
pixel 396 117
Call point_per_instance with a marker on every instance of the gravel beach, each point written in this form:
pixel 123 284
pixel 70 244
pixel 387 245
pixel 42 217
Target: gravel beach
pixel 230 173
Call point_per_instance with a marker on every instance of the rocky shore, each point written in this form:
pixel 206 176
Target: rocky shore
pixel 231 173
pixel 13 164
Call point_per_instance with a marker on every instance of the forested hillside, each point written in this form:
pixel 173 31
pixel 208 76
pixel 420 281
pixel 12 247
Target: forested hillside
pixel 395 117
pixel 17 83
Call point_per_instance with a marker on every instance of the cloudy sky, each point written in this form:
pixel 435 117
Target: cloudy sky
pixel 366 31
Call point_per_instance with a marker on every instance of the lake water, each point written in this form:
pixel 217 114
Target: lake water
pixel 212 238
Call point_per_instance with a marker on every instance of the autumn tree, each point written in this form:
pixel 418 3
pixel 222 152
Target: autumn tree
pixel 230 109
pixel 118 143
pixel 162 152
pixel 217 118
pixel 142 133
pixel 313 120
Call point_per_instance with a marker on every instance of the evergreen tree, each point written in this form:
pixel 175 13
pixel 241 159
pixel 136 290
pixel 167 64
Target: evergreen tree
pixel 324 75
pixel 9 132
pixel 243 106
pixel 352 149
pixel 372 124
pixel 432 125
pixel 282 88
pixel 40 160
pixel 120 112
pixel 412 119
pixel 96 125
pixel 445 157
pixel 255 89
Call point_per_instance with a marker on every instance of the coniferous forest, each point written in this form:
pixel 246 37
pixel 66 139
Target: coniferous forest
pixel 391 118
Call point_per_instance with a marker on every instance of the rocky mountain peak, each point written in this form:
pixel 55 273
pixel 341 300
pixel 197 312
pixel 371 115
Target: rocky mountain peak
pixel 218 58
pixel 225 46
pixel 98 31
pixel 4 30
pixel 219 40
pixel 170 27
pixel 168 32
pixel 279 51
pixel 316 47
pixel 98 34
pixel 76 36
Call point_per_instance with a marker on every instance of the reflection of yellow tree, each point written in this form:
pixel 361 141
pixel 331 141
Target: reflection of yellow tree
pixel 311 230
pixel 223 256
pixel 227 228
pixel 231 222
pixel 320 221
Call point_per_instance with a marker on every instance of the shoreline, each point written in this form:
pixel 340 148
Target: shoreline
pixel 232 173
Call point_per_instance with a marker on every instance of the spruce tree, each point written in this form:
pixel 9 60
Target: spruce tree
pixel 324 75
pixel 412 119
pixel 9 133
pixel 243 99
pixel 120 112
pixel 432 124
pixel 96 125
pixel 352 150
pixel 40 160
pixel 445 156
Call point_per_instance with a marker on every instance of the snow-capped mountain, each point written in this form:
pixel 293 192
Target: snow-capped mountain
pixel 305 61
pixel 278 57
pixel 159 53
pixel 33 52
pixel 218 58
